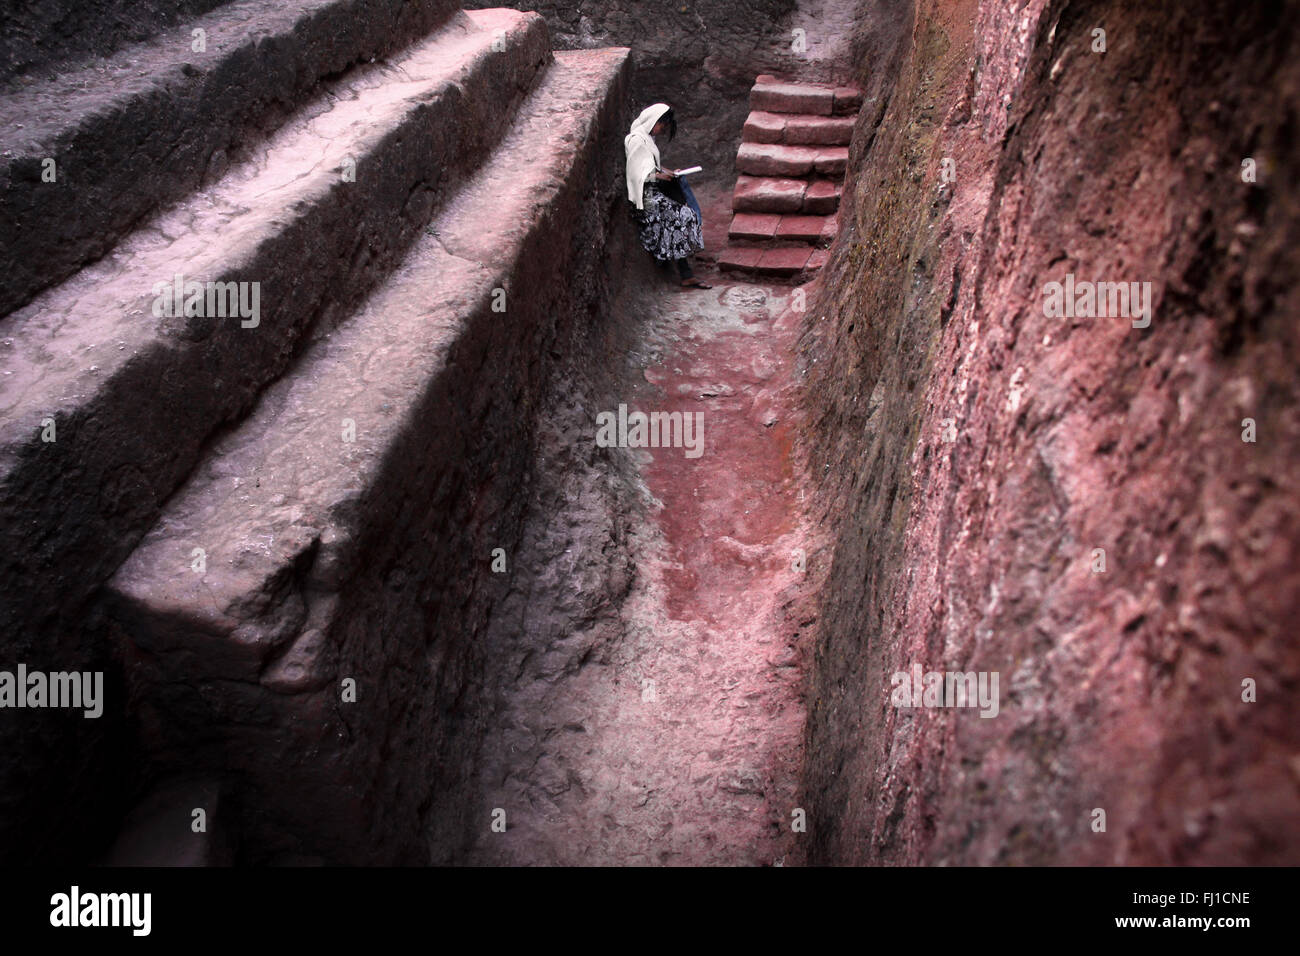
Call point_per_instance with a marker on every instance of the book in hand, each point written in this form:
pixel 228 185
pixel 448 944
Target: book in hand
pixel 688 170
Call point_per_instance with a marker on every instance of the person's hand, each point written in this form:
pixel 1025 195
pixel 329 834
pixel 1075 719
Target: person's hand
pixel 665 174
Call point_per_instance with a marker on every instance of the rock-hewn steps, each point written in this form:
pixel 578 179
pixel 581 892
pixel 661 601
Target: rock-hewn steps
pixel 791 163
pixel 134 395
pixel 370 459
pixel 374 210
pixel 150 124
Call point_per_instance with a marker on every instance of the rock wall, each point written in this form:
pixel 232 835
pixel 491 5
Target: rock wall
pixel 978 454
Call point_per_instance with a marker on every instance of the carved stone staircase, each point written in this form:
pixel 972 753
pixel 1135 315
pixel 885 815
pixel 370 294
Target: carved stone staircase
pixel 268 510
pixel 791 161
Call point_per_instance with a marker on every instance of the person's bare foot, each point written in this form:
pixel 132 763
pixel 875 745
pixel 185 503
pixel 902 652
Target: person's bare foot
pixel 694 283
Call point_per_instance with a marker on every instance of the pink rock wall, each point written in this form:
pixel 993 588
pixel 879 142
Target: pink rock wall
pixel 977 452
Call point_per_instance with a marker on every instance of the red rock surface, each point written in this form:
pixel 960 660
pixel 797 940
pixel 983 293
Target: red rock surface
pixel 652 677
pixel 823 196
pixel 323 550
pixel 819 131
pixel 792 98
pixel 191 113
pixel 589 768
pixel 746 225
pixel 119 381
pixel 760 194
pixel 976 451
pixel 802 144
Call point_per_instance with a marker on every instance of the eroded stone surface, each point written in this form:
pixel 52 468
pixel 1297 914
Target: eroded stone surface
pixel 134 396
pixel 664 728
pixel 157 120
pixel 977 451
pixel 363 557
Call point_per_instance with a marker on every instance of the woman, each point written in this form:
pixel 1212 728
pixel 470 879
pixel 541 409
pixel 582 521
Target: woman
pixel 668 224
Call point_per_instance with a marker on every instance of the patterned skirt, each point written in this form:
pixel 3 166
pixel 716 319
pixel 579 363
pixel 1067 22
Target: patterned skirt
pixel 669 230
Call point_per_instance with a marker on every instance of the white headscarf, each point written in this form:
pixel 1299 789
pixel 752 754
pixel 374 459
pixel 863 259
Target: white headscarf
pixel 642 153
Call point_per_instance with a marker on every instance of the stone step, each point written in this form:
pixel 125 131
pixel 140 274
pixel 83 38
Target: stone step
pixel 129 135
pixel 752 225
pixel 780 262
pixel 132 396
pixel 771 159
pixel 39 38
pixel 764 127
pixel 822 197
pixel 308 531
pixel 768 194
pixel 798 130
pixel 819 130
pixel 764 194
pixel 759 226
pixel 776 96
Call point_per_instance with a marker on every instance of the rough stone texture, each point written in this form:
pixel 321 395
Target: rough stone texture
pixel 792 98
pixel 763 127
pixel 136 397
pixel 593 765
pixel 368 559
pixel 757 159
pixel 39 35
pixel 819 131
pixel 848 100
pixel 159 831
pixel 807 135
pixel 748 225
pixel 783 261
pixel 158 119
pixel 757 194
pixel 806 228
pixel 822 197
pixel 1120 690
pixel 831 160
pixel 735 258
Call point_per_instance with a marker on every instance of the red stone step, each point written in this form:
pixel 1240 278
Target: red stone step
pixel 798 228
pixel 831 160
pixel 763 127
pixel 848 100
pixel 775 261
pixel 736 258
pixel 751 225
pixel 784 261
pixel 771 159
pixel 802 228
pixel 814 130
pixel 822 197
pixel 792 98
pixel 830 228
pixel 768 159
pixel 763 194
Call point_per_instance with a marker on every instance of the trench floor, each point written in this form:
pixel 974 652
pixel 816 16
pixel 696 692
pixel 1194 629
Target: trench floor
pixel 681 743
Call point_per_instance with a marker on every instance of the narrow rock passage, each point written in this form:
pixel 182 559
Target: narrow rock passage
pixel 677 740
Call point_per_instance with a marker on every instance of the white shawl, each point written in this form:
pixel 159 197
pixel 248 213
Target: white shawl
pixel 642 153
